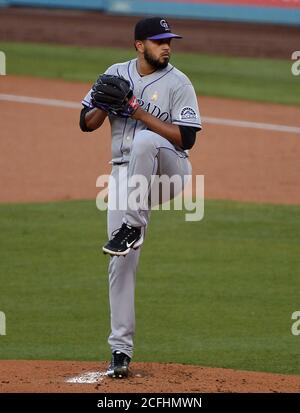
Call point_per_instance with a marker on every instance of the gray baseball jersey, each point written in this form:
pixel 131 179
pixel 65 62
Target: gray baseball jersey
pixel 167 94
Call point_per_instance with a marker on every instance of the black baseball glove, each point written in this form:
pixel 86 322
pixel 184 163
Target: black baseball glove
pixel 114 95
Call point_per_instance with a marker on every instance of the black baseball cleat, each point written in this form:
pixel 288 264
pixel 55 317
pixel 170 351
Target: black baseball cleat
pixel 123 239
pixel 119 365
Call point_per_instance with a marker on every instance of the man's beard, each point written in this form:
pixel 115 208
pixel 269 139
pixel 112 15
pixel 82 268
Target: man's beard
pixel 155 63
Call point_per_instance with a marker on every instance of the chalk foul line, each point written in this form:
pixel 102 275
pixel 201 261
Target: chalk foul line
pixel 206 119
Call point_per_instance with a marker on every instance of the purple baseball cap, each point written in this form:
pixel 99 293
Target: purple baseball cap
pixel 154 28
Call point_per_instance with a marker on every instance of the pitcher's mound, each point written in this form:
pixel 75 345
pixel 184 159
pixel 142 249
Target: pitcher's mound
pixel 81 377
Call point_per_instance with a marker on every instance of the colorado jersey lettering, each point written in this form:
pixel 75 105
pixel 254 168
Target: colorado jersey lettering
pixel 166 94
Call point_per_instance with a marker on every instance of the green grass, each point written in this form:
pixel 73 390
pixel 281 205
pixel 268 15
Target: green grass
pixel 219 292
pixel 266 80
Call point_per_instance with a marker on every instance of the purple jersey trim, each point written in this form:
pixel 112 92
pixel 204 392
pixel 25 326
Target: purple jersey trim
pixel 179 122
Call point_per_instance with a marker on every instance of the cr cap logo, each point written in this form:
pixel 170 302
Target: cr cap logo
pixel 165 25
pixel 188 113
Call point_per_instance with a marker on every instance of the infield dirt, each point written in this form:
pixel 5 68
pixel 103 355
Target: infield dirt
pixel 45 157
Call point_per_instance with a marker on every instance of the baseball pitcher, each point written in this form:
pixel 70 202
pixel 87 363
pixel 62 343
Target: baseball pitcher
pixel 154 117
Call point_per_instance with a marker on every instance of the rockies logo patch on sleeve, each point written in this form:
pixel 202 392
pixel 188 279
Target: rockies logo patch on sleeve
pixel 188 113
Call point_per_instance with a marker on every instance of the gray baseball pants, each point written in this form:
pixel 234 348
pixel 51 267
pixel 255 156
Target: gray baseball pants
pixel 151 154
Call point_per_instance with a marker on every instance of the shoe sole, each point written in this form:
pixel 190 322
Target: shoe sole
pixel 135 246
pixel 112 253
pixel 117 373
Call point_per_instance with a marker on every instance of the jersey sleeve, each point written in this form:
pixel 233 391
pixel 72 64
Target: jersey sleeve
pixel 184 107
pixel 86 101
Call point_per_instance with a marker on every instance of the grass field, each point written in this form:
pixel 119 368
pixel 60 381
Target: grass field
pixel 219 292
pixel 266 80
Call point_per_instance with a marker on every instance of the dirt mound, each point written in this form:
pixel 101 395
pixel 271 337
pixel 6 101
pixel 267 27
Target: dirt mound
pixel 88 377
